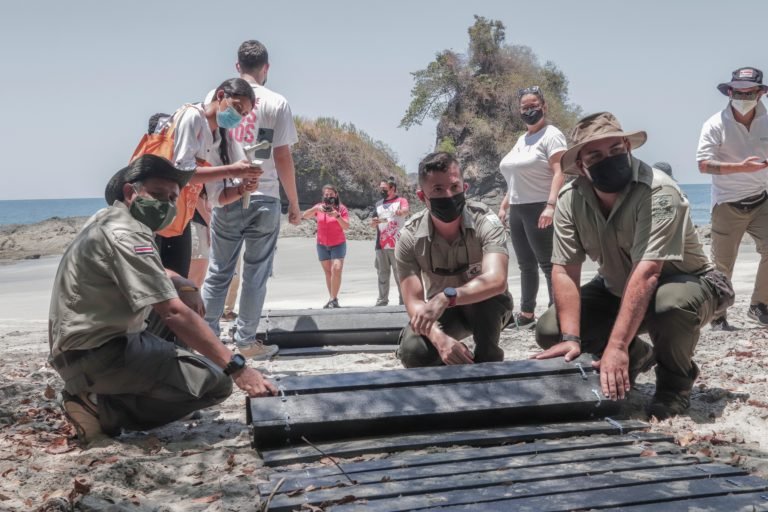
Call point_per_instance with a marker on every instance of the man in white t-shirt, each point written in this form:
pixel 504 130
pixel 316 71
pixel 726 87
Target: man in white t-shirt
pixel 256 228
pixel 733 148
pixel 389 217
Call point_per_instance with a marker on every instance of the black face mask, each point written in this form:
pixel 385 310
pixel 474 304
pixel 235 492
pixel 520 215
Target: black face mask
pixel 384 194
pixel 532 116
pixel 611 174
pixel 447 209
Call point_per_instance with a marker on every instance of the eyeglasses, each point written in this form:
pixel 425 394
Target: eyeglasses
pixel 447 272
pixel 534 89
pixel 739 95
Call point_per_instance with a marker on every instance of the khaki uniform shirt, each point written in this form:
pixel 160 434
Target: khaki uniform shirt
pixel 106 282
pixel 420 251
pixel 650 221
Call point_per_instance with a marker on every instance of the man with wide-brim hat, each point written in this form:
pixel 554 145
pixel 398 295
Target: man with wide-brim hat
pixel 733 148
pixel 117 375
pixel 653 275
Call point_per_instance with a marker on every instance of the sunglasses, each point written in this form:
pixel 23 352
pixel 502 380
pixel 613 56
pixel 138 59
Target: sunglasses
pixel 739 95
pixel 448 272
pixel 535 89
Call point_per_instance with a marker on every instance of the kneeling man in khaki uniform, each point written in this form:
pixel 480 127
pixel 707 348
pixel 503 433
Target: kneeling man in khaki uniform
pixel 653 274
pixel 117 375
pixel 452 262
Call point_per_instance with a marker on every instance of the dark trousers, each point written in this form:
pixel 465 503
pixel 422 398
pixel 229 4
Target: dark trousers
pixel 681 305
pixel 483 321
pixel 533 250
pixel 143 381
pixel 176 251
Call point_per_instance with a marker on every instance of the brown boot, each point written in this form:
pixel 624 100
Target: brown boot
pixel 83 415
pixel 642 358
pixel 673 393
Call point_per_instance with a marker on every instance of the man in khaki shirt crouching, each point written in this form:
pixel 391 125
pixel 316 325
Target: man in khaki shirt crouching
pixel 452 263
pixel 653 274
pixel 117 375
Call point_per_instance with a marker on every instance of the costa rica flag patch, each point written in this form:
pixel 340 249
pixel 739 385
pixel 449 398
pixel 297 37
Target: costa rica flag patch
pixel 143 249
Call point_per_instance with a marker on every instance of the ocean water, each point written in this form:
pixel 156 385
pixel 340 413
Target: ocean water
pixel 29 211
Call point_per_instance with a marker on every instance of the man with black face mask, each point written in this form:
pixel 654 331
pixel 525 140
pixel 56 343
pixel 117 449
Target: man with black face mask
pixel 653 276
pixel 388 218
pixel 733 148
pixel 452 263
pixel 118 375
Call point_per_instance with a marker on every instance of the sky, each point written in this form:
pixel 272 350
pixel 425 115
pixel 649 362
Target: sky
pixel 81 78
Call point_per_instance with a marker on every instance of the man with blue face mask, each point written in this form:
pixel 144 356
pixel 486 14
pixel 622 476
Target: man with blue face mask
pixel 653 275
pixel 118 375
pixel 452 264
pixel 733 148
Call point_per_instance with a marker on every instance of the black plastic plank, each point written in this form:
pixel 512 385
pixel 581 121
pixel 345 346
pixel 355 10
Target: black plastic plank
pixel 459 489
pixel 433 375
pixel 463 467
pixel 302 453
pixel 749 502
pixel 281 419
pixel 333 350
pixel 331 312
pixel 609 498
pixel 288 340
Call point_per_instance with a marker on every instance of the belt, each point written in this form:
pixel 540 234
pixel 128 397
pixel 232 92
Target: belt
pixel 70 357
pixel 751 202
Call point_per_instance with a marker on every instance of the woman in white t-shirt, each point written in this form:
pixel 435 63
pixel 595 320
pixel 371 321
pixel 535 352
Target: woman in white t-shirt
pixel 534 177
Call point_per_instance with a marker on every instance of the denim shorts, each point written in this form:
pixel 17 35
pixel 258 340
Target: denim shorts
pixel 333 252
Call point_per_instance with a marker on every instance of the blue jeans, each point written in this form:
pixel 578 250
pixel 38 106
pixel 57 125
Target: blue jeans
pixel 231 226
pixel 331 252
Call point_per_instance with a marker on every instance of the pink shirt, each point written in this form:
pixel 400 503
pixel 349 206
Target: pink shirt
pixel 329 232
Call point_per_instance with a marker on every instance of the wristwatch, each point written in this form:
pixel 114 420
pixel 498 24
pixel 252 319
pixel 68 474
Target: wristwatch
pixel 451 293
pixel 236 364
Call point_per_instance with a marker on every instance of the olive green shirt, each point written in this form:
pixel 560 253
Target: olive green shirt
pixel 650 222
pixel 106 282
pixel 422 252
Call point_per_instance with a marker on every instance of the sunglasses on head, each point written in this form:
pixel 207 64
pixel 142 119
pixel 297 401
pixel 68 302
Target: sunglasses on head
pixel 535 89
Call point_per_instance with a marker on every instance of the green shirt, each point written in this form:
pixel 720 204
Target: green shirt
pixel 650 221
pixel 106 282
pixel 422 252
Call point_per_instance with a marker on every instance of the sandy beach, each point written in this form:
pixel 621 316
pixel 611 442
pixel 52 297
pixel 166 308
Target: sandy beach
pixel 207 463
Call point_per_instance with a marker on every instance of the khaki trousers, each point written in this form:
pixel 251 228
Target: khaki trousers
pixel 385 265
pixel 143 381
pixel 681 305
pixel 729 224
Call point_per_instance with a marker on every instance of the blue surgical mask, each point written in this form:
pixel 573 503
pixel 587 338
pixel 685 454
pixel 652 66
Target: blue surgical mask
pixel 228 119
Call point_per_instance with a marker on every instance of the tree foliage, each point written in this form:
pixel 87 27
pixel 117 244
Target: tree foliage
pixel 474 97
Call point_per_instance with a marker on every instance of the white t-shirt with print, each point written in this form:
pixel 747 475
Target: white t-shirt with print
pixel 526 168
pixel 192 139
pixel 723 139
pixel 271 119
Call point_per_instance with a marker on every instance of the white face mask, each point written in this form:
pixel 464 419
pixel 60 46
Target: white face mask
pixel 743 107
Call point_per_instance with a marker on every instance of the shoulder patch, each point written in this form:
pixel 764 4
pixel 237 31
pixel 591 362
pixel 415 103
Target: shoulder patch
pixel 494 219
pixel 663 207
pixel 143 249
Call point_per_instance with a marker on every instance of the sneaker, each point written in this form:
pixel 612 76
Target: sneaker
pixel 334 304
pixel 328 305
pixel 758 313
pixel 83 415
pixel 721 324
pixel 667 404
pixel 519 320
pixel 641 363
pixel 229 316
pixel 382 303
pixel 257 350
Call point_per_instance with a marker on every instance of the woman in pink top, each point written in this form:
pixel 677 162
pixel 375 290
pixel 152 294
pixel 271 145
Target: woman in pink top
pixel 332 220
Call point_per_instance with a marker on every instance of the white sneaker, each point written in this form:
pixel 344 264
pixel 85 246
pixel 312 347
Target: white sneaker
pixel 257 350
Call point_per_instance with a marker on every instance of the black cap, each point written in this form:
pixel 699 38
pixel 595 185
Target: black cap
pixel 743 78
pixel 146 166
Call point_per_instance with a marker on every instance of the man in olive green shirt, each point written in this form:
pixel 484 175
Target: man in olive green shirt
pixel 116 374
pixel 452 265
pixel 653 276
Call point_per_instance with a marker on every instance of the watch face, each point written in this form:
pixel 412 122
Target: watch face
pixel 450 292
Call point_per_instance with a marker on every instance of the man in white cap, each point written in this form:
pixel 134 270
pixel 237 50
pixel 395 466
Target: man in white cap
pixel 733 148
pixel 653 275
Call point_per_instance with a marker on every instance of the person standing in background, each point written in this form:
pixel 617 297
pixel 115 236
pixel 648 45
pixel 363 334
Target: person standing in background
pixel 733 148
pixel 258 227
pixel 332 220
pixel 388 218
pixel 533 175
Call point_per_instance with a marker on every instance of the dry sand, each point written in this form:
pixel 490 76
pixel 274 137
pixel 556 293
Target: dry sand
pixel 207 463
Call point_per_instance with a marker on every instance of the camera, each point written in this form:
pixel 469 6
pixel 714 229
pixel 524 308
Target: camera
pixel 329 203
